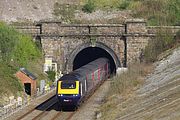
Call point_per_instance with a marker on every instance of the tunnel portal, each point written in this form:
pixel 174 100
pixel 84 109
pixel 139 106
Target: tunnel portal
pixel 90 54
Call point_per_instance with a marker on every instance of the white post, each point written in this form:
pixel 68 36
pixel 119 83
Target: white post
pixel 121 70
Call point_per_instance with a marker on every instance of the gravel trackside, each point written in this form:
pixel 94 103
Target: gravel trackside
pixel 88 109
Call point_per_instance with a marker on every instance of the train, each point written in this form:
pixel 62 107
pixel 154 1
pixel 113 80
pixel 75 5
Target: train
pixel 72 88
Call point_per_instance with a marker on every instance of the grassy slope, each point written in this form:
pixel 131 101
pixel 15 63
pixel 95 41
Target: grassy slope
pixel 156 12
pixel 123 87
pixel 17 50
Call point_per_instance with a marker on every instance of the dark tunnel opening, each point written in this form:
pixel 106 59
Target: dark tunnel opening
pixel 91 53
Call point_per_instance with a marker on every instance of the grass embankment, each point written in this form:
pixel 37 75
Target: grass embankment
pixel 16 50
pixel 122 88
pixel 156 12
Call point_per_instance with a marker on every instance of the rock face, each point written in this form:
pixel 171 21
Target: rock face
pixel 30 10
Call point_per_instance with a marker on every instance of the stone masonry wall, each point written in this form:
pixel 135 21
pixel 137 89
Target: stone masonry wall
pixel 126 40
pixel 136 39
pixel 127 45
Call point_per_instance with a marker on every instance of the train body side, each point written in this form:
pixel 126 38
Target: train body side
pixel 87 77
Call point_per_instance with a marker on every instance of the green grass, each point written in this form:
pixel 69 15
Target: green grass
pixel 159 12
pixel 9 84
pixel 108 4
pixel 65 12
pixel 156 12
pixel 16 50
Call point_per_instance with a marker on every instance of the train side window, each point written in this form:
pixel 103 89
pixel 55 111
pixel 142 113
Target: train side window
pixel 96 75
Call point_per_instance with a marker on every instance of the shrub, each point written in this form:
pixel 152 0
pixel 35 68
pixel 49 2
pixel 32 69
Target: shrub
pixel 159 12
pixel 178 36
pixel 25 50
pixel 51 75
pixel 89 7
pixel 65 12
pixel 124 5
pixel 16 47
pixel 8 38
pixel 163 41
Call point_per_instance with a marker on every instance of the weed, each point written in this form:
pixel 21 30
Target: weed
pixel 89 7
pixel 163 41
pixel 123 5
pixel 122 87
pixel 65 12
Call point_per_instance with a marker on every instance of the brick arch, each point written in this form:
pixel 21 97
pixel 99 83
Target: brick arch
pixel 72 56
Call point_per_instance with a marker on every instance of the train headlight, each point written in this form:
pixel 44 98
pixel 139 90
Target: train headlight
pixel 75 95
pixel 60 95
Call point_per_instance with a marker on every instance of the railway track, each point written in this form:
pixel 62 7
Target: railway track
pixel 43 107
pixel 69 115
pixel 49 109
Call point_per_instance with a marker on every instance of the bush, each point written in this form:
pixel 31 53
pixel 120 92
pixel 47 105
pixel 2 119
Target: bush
pixel 89 7
pixel 8 38
pixel 178 36
pixel 16 48
pixel 25 50
pixel 159 12
pixel 163 41
pixel 124 5
pixel 51 75
pixel 65 12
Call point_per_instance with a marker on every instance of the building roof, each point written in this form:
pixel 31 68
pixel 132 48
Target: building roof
pixel 29 74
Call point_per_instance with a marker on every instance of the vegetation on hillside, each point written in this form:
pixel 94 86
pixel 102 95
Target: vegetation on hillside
pixel 159 12
pixel 89 7
pixel 16 50
pixel 162 42
pixel 156 12
pixel 65 12
pixel 122 88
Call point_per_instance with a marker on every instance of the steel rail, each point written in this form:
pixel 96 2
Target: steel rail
pixel 44 111
pixel 33 109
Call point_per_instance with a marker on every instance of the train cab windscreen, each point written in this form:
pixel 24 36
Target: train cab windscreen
pixel 65 87
pixel 68 85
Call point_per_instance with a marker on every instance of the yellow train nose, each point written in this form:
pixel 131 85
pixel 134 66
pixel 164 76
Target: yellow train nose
pixel 73 91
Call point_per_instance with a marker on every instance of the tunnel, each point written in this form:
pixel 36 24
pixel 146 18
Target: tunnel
pixel 85 53
pixel 90 54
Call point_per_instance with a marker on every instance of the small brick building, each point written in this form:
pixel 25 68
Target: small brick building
pixel 28 80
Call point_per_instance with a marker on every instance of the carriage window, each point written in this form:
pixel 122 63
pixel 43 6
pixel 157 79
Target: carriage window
pixel 65 85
